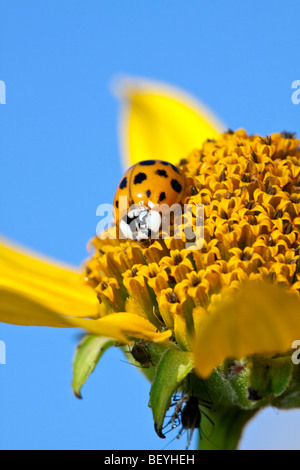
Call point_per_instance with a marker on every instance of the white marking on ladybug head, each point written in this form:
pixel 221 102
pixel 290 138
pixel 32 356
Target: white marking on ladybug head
pixel 136 211
pixel 140 223
pixel 154 221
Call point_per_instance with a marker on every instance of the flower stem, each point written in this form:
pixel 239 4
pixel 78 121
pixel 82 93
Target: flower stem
pixel 226 430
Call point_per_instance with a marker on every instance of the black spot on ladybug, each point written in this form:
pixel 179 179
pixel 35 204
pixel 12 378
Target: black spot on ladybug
pixel 164 163
pixel 174 168
pixel 148 193
pixel 162 173
pixel 176 186
pixel 162 196
pixel 117 204
pixel 148 162
pixel 139 178
pixel 123 183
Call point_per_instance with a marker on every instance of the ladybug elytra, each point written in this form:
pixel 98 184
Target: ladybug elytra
pixel 148 186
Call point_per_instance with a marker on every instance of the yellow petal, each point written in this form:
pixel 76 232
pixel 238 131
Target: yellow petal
pixel 181 333
pixel 260 318
pixel 19 310
pixel 37 292
pixel 121 324
pixel 161 122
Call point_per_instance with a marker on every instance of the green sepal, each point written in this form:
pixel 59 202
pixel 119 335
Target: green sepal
pixel 174 366
pixel 232 379
pixel 226 430
pixel 156 351
pixel 86 357
pixel 291 397
pixel 270 377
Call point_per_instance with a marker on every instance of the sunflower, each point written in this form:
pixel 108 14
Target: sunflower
pixel 216 324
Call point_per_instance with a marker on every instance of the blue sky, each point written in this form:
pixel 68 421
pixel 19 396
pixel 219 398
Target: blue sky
pixel 60 160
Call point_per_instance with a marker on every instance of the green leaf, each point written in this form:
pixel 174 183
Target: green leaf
pixel 86 357
pixel 226 430
pixel 174 366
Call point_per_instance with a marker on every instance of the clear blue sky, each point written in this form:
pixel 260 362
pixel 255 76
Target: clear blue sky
pixel 60 160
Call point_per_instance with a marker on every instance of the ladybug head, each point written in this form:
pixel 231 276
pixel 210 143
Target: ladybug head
pixel 140 223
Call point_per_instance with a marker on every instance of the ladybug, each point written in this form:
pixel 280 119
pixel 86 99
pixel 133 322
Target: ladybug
pixel 151 187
